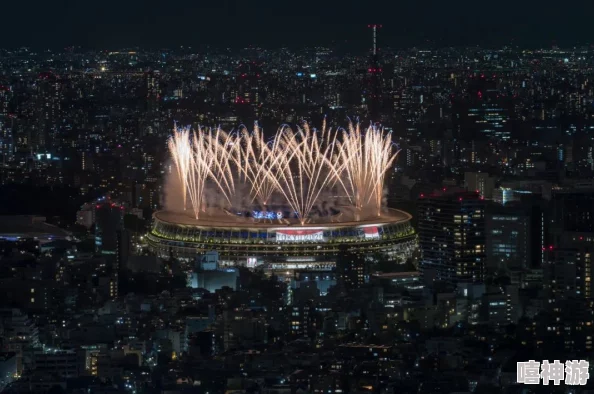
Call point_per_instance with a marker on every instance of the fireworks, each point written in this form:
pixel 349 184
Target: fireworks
pixel 198 157
pixel 365 157
pixel 253 157
pixel 182 154
pixel 298 165
pixel 302 166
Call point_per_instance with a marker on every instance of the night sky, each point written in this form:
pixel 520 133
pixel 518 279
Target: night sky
pixel 113 24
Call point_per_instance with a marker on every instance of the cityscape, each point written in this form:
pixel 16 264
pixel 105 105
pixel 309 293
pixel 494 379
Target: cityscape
pixel 297 219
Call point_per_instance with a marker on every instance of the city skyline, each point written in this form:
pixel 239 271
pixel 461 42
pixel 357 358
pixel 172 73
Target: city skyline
pixel 316 218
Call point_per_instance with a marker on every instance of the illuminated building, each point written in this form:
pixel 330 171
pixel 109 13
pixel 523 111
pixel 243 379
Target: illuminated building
pixel 108 224
pixel 350 268
pixel 499 307
pixel 6 125
pixel 302 319
pixel 49 97
pixel 153 89
pixel 13 228
pixel 111 239
pixel 508 239
pixel 153 101
pixel 483 112
pixel 504 195
pixel 452 237
pixel 66 364
pixel 20 333
pixel 323 280
pixel 481 182
pixel 568 273
pixel 247 241
pixel 8 368
pixel 374 92
pixel 215 280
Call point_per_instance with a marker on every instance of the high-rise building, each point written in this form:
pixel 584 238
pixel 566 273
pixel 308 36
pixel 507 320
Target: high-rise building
pixel 508 236
pixel 48 95
pixel 108 224
pixel 572 237
pixel 481 182
pixel 153 100
pixel 504 195
pixel 153 89
pixel 6 126
pixel 5 98
pixel 572 211
pixel 146 195
pixel 64 363
pixel 350 268
pixel 452 237
pixel 302 319
pixel 112 239
pixel 374 82
pixel 567 273
pixel 483 112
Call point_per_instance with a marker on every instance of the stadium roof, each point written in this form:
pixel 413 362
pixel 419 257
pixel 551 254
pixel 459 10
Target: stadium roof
pixel 14 227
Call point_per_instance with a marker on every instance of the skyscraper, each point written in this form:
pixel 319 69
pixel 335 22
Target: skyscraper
pixel 452 237
pixel 6 125
pixel 509 238
pixel 483 112
pixel 481 182
pixel 111 240
pixel 567 273
pixel 350 268
pixel 374 93
pixel 573 211
pixel 48 93
pixel 153 100
pixel 108 224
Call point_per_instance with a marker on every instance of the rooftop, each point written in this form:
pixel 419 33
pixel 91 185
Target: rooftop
pixel 14 227
pixel 220 218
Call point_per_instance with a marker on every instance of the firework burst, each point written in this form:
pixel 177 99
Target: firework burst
pixel 182 154
pixel 253 157
pixel 303 166
pixel 297 164
pixel 365 158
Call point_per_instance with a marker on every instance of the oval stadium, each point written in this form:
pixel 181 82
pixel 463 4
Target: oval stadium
pixel 295 201
pixel 266 238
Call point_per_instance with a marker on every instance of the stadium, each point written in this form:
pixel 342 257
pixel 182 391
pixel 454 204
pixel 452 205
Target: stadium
pixel 281 245
pixel 292 202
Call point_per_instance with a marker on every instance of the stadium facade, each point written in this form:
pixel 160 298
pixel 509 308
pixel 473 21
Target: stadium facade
pixel 281 244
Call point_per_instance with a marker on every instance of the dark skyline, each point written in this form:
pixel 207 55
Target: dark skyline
pixel 233 23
